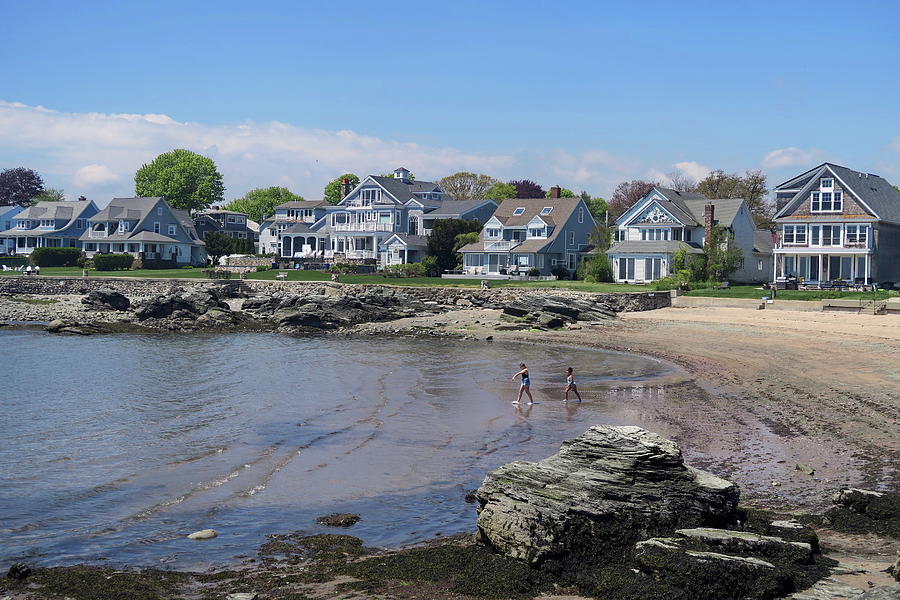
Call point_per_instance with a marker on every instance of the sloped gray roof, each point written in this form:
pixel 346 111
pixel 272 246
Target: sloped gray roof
pixel 454 208
pixel 726 209
pixel 653 247
pixel 404 191
pixel 562 210
pixel 677 204
pixel 54 210
pixel 184 217
pixel 873 190
pixel 762 241
pixel 308 204
pixel 132 209
pixel 298 228
pixel 418 241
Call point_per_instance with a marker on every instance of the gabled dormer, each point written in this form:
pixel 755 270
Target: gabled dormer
pixel 493 229
pixel 537 227
pixel 831 192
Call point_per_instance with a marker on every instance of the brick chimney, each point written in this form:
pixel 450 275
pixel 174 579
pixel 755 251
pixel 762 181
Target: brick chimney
pixel 555 191
pixel 345 188
pixel 709 215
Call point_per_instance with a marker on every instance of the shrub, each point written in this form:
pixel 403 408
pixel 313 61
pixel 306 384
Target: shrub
pixel 404 270
pixel 534 272
pixel 158 263
pixel 343 268
pixel 666 283
pixel 595 268
pixel 112 262
pixel 560 272
pixel 262 268
pixel 431 266
pixel 56 257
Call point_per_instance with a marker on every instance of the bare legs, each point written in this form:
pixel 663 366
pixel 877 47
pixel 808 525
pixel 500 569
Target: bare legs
pixel 524 389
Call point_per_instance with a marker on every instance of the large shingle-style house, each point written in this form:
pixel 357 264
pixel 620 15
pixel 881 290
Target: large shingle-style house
pixel 7 221
pixel 666 220
pixel 235 225
pixel 537 233
pixel 383 220
pixel 145 227
pixel 49 224
pixel 835 223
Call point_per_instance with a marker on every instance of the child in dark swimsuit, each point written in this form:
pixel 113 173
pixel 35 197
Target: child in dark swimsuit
pixel 526 384
pixel 570 385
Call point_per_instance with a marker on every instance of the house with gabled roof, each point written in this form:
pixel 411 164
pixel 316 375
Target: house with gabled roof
pixel 235 225
pixel 147 228
pixel 835 223
pixel 49 224
pixel 665 221
pixel 383 220
pixel 544 234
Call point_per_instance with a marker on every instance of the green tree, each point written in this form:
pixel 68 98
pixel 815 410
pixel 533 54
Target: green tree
pixel 332 191
pixel 722 257
pixel 467 186
pixel 464 239
pixel 261 202
pixel 563 193
pixel 595 268
pixel 442 241
pixel 897 187
pixel 752 187
pixel 187 180
pixel 500 191
pixel 597 206
pixel 217 245
pixel 50 195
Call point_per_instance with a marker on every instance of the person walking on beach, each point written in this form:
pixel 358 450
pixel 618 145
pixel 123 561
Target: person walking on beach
pixel 526 384
pixel 570 385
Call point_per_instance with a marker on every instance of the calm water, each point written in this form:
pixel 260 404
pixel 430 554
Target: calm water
pixel 115 447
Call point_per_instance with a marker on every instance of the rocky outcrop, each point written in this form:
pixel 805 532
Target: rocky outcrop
pixel 180 304
pixel 865 511
pixel 602 492
pixel 555 311
pixel 73 327
pixel 883 593
pixel 106 300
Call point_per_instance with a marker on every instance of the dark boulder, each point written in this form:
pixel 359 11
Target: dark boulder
pixel 19 571
pixel 106 299
pixel 339 520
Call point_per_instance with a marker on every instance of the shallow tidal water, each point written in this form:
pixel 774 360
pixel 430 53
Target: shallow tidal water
pixel 114 448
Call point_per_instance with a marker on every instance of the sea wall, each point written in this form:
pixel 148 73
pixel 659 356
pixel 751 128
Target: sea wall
pixel 135 287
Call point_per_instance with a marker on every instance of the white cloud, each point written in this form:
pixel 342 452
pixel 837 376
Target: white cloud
pixel 694 170
pixel 96 154
pixel 792 157
pixel 94 175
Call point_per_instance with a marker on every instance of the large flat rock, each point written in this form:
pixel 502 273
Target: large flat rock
pixel 602 492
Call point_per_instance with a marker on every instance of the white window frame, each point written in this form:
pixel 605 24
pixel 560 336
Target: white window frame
pixel 794 235
pixel 493 233
pixel 829 185
pixel 835 202
pixel 520 210
pixel 156 226
pixel 856 234
pixel 79 223
pixel 819 236
pixel 571 238
pixel 546 210
pixel 581 214
pixel 172 229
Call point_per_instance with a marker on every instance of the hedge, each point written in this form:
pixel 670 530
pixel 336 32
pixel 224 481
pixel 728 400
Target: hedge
pixel 55 257
pixel 112 262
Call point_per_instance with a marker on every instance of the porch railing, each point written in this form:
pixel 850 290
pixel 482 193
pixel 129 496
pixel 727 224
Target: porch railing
pixel 365 226
pixel 501 246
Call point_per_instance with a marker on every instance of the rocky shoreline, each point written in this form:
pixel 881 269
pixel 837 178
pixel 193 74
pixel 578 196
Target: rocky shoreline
pixel 339 566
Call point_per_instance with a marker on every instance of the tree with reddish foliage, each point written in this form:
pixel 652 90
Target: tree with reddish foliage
pixel 626 194
pixel 525 188
pixel 19 186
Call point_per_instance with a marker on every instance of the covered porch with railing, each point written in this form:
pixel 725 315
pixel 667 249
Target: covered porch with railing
pixel 824 269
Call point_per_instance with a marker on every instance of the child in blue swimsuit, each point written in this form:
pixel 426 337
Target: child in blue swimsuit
pixel 570 385
pixel 526 384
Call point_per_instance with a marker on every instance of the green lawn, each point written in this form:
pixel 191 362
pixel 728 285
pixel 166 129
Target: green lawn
pixel 299 275
pixel 755 292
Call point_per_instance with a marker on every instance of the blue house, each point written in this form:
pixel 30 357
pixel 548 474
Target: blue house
pixel 50 225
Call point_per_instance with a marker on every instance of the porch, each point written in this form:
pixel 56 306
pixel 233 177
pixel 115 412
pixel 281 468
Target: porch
pixel 824 268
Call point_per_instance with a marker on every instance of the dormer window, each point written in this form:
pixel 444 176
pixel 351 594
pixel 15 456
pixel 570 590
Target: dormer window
pixel 123 225
pixel 519 211
pixel 47 223
pixel 826 183
pixel 536 232
pixel 546 210
pixel 492 233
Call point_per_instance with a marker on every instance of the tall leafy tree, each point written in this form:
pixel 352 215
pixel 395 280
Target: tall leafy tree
pixel 500 191
pixel 19 186
pixel 442 241
pixel 563 193
pixel 467 186
pixel 187 180
pixel 626 194
pixel 751 186
pixel 261 202
pixel 333 188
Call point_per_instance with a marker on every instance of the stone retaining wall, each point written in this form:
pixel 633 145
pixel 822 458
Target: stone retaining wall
pixel 462 297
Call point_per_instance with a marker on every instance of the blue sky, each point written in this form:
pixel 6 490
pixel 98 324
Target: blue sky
pixel 581 94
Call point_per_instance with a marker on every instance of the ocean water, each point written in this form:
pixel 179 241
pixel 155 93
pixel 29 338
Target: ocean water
pixel 114 448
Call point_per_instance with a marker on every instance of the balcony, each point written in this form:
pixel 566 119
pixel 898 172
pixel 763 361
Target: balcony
pixel 501 245
pixel 96 235
pixel 364 227
pixel 359 254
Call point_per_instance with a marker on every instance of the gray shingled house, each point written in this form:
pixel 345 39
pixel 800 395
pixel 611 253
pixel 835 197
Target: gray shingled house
pixel 835 223
pixel 49 224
